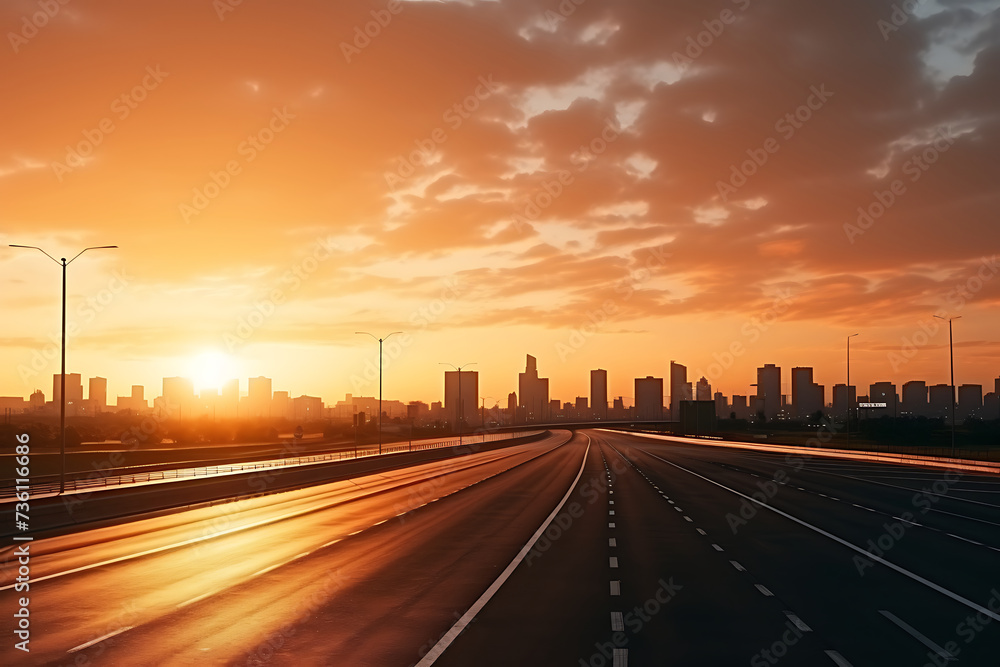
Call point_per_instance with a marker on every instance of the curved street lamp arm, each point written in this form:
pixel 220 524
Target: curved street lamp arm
pixel 96 247
pixel 34 247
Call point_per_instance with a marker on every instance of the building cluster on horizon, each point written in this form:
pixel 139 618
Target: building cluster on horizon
pixel 652 400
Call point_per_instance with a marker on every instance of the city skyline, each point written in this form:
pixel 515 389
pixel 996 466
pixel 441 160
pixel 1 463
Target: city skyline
pixel 797 398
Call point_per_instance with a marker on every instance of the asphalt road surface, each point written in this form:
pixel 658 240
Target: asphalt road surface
pixel 594 548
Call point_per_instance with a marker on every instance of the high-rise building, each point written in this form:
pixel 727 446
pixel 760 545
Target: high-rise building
pixel 136 402
pixel 259 397
pixel 842 398
pixel 991 406
pixel 461 405
pixel 598 394
pixel 580 407
pixel 807 396
pixel 740 407
pixel 649 398
pixel 680 389
pixel 306 408
pixel 97 394
pixel 940 401
pixel 703 390
pixel 769 390
pixel 74 388
pixel 914 400
pixel 970 401
pixel 885 392
pixel 533 392
pixel 178 397
pixel 37 400
pixel 208 403
pixel 721 407
pixel 281 405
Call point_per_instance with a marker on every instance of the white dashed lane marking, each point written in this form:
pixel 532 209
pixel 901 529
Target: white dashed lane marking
pixel 916 634
pixel 797 622
pixel 838 659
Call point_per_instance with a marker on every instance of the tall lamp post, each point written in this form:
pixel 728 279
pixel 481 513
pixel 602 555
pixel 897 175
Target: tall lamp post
pixel 62 378
pixel 482 413
pixel 379 380
pixel 459 412
pixel 847 389
pixel 951 354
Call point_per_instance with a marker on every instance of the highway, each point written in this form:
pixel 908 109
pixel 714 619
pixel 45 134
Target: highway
pixel 584 548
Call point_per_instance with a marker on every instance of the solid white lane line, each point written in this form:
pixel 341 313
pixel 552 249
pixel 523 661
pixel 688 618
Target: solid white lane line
pixel 255 574
pixel 764 590
pixel 902 570
pixel 797 622
pixel 617 622
pixel 964 539
pixel 613 561
pixel 616 588
pixel 99 639
pixel 467 617
pixel 913 632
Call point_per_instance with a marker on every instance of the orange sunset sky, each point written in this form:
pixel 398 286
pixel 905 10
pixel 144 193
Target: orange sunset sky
pixel 572 180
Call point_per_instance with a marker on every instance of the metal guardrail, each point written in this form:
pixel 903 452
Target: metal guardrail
pixel 98 482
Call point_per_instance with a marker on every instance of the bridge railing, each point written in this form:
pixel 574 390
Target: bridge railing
pixel 96 480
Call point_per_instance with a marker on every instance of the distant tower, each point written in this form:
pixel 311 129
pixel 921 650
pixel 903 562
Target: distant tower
pixel 680 389
pixel 598 394
pixel 533 392
pixel 769 390
pixel 649 398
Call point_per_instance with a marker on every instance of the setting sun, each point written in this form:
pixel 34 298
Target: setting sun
pixel 210 370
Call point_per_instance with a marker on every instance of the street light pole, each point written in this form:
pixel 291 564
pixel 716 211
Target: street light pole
pixel 459 412
pixel 951 355
pixel 62 376
pixel 847 390
pixel 379 381
pixel 482 414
